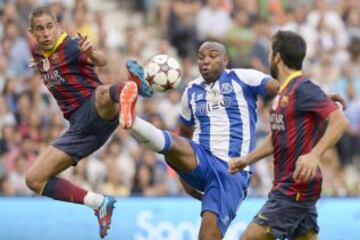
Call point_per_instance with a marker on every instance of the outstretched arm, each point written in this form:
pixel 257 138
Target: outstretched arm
pixel 95 57
pixel 266 149
pixel 307 164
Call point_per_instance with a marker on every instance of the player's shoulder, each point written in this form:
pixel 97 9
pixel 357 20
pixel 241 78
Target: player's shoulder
pixel 305 83
pixel 249 76
pixel 193 86
pixel 307 86
pixel 196 82
pixel 245 72
pixel 71 42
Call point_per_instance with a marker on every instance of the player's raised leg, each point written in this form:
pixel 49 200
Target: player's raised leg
pixel 177 150
pixel 107 96
pixel 42 179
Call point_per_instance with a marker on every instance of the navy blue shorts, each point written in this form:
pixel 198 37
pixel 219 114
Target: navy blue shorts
pixel 287 218
pixel 87 131
pixel 223 193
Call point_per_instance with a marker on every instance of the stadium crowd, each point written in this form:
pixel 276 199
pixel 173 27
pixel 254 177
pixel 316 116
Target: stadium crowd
pixel 30 119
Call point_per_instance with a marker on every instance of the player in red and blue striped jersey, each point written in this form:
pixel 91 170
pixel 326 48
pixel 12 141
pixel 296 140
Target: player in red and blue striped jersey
pixel 304 124
pixel 66 73
pixel 66 66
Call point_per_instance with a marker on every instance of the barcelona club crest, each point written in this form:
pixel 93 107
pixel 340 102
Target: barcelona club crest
pixel 55 58
pixel 284 101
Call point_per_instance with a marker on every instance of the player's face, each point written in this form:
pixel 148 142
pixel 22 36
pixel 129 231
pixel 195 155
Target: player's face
pixel 211 62
pixel 46 31
pixel 274 69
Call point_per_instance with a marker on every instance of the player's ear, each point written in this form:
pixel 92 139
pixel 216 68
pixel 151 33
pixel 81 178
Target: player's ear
pixel 226 60
pixel 277 57
pixel 30 29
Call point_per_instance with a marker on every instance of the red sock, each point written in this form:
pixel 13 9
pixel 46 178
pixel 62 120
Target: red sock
pixel 115 91
pixel 63 190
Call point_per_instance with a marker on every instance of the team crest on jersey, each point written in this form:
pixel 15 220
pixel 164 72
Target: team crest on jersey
pixel 46 64
pixel 284 101
pixel 55 58
pixel 226 88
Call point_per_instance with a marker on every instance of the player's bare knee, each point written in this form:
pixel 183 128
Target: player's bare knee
pixel 33 182
pixel 252 233
pixel 102 97
pixel 249 234
pixel 210 234
pixel 246 236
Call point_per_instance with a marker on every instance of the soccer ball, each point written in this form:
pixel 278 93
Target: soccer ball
pixel 163 73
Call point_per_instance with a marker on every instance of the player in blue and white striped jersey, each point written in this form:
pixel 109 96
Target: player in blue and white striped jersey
pixel 224 111
pixel 219 114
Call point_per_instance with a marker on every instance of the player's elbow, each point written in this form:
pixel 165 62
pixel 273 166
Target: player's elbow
pixel 345 122
pixel 272 89
pixel 99 58
pixel 342 123
pixel 102 62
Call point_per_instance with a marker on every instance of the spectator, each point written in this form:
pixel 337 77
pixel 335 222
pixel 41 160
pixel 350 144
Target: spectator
pixel 150 179
pixel 181 27
pixel 239 40
pixel 19 52
pixel 212 21
pixel 17 177
pixel 259 51
pixel 114 182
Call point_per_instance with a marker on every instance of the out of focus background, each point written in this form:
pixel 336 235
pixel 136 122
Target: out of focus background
pixel 140 29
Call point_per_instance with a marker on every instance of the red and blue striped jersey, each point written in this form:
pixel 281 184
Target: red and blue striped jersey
pixel 66 73
pixel 297 120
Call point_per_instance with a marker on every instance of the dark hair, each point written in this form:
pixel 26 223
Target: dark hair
pixel 37 12
pixel 291 47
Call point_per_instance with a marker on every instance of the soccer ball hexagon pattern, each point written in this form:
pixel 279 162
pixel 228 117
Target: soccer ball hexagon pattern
pixel 163 73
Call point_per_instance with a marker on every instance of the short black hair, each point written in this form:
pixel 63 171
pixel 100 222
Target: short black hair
pixel 37 12
pixel 291 47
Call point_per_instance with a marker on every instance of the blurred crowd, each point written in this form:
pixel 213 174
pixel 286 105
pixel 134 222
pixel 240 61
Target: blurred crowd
pixel 30 119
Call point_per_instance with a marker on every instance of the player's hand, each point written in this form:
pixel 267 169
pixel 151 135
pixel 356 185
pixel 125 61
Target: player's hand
pixel 306 167
pixel 337 99
pixel 238 164
pixel 85 45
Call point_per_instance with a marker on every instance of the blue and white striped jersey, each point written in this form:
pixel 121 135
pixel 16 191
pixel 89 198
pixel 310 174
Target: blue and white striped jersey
pixel 223 113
